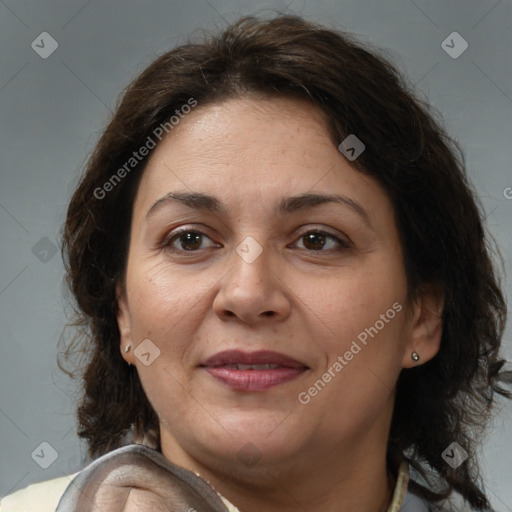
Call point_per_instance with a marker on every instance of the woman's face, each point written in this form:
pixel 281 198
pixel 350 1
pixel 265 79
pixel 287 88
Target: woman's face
pixel 253 264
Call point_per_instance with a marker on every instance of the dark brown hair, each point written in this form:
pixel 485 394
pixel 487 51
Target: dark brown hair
pixel 438 216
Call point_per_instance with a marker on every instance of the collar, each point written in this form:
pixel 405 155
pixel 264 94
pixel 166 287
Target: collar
pixel 112 477
pixel 402 482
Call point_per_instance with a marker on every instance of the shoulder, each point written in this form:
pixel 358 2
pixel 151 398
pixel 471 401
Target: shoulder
pixel 40 497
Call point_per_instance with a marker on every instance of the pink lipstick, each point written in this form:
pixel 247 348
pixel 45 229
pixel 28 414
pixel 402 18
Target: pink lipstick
pixel 253 371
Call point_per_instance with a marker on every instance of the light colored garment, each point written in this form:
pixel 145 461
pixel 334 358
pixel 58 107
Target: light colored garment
pixel 40 497
pixel 45 496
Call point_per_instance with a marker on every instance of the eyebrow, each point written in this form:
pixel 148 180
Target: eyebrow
pixel 287 205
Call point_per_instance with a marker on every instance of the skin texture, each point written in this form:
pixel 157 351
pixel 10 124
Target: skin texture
pixel 309 305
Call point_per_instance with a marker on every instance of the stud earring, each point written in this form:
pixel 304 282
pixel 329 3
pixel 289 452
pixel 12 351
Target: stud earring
pixel 415 356
pixel 127 348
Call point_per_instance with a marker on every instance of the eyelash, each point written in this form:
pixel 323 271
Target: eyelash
pixel 168 240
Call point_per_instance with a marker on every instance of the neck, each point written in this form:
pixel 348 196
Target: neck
pixel 329 486
pixel 350 477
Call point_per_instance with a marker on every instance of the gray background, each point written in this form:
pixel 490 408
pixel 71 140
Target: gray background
pixel 52 111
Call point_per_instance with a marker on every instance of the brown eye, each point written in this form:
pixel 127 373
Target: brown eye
pixel 319 240
pixel 314 241
pixel 190 241
pixel 185 240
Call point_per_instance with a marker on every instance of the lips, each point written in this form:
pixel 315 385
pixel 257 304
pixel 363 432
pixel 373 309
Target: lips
pixel 253 371
pixel 239 357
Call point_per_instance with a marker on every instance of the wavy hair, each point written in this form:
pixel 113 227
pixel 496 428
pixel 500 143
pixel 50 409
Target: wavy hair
pixel 438 216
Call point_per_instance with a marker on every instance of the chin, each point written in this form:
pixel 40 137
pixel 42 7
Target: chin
pixel 255 423
pixel 252 437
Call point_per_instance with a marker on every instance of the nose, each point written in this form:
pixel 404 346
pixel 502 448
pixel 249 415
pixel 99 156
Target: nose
pixel 252 291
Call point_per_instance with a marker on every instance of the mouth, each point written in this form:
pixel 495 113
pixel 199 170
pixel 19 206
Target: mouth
pixel 253 371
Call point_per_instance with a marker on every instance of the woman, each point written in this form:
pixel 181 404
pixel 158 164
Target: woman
pixel 284 286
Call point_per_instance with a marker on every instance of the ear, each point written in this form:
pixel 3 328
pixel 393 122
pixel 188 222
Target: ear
pixel 124 325
pixel 426 326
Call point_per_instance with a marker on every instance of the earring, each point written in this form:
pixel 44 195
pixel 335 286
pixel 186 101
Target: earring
pixel 415 356
pixel 127 348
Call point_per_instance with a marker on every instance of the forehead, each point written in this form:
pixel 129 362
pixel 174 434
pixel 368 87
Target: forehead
pixel 255 149
pixel 238 127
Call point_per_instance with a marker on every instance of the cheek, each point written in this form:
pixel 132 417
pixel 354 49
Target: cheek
pixel 365 312
pixel 363 364
pixel 167 307
pixel 164 309
pixel 360 301
pixel 164 301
